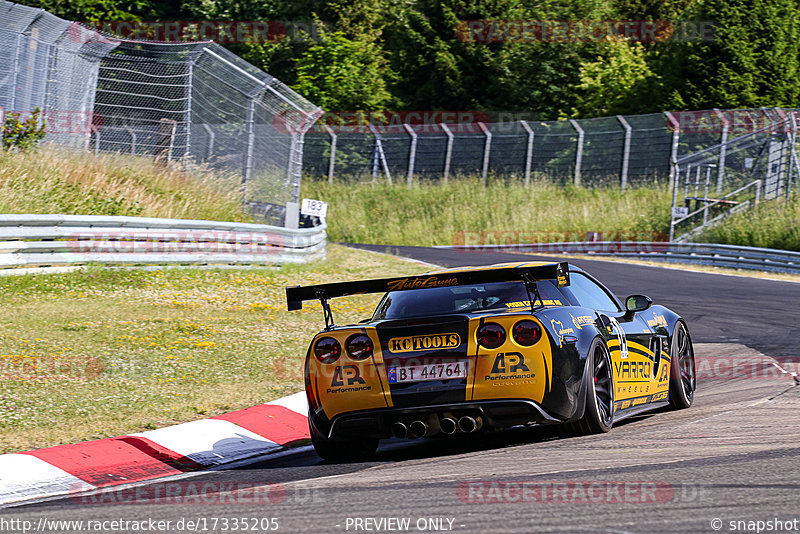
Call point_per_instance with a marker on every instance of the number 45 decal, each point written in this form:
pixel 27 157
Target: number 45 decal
pixel 623 342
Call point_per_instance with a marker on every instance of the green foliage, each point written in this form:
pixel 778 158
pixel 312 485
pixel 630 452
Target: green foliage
pixel 611 83
pixel 381 54
pixel 343 74
pixel 23 134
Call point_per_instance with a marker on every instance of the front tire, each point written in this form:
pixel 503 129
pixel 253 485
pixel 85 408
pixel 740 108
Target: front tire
pixel 598 415
pixel 682 375
pixel 343 450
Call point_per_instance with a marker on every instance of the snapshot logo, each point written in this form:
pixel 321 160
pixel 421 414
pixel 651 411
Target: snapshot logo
pixel 165 242
pixel 386 122
pixel 54 367
pixel 582 31
pixel 565 492
pixel 185 31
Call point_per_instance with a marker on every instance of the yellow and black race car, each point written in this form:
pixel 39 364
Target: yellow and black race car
pixel 463 350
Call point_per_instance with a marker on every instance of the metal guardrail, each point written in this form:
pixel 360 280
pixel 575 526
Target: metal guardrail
pixel 59 240
pixel 731 256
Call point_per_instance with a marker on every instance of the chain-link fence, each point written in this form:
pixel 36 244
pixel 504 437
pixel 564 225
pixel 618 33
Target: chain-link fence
pixel 618 151
pixel 737 174
pixel 195 104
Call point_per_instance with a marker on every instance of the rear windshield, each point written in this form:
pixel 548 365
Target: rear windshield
pixel 464 299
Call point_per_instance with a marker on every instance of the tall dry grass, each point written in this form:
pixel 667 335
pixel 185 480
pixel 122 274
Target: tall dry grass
pixel 55 180
pixel 446 213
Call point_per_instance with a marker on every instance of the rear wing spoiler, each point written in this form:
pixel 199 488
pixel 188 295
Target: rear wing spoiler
pixel 528 274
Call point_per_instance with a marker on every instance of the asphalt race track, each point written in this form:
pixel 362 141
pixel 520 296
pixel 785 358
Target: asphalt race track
pixel 733 456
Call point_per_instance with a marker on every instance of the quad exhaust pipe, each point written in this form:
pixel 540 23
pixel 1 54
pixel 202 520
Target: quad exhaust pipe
pixel 399 430
pixel 469 424
pixel 417 429
pixel 448 425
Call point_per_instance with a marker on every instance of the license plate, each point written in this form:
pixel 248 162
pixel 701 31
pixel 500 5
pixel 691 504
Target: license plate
pixel 433 371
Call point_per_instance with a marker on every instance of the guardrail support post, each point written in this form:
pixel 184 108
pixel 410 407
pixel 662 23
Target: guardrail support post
pixel 528 152
pixel 626 152
pixel 412 152
pixel 723 148
pixel 578 152
pixel 332 160
pixel 676 128
pixel 448 154
pixel 487 147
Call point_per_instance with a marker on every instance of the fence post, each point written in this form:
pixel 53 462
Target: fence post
pixel 15 78
pixel 487 147
pixel 579 152
pixel 332 161
pixel 412 152
pixel 723 149
pixel 626 152
pixel 528 152
pixel 188 113
pixel 133 139
pixel 247 169
pixel 380 154
pixel 448 154
pixel 674 171
pixel 676 128
pixel 211 136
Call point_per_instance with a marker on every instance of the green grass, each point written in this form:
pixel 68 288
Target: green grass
pixel 59 181
pixel 773 224
pixel 444 214
pixel 101 352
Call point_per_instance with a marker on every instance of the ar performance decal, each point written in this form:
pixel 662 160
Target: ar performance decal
pixel 509 365
pixel 347 375
pixel 416 343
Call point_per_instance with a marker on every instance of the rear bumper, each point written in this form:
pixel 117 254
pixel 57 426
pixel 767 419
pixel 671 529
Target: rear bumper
pixel 496 414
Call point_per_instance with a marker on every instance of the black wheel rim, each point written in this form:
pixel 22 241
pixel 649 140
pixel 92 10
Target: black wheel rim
pixel 686 362
pixel 603 385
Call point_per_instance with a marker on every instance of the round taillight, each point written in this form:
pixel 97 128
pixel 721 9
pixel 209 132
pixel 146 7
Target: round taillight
pixel 526 333
pixel 327 350
pixel 491 335
pixel 359 347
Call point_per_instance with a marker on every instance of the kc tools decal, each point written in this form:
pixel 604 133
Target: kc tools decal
pixel 415 343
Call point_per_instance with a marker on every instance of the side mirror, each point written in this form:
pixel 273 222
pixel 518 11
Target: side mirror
pixel 635 304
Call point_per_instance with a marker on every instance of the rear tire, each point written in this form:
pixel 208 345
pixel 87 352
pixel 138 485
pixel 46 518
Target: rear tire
pixel 343 450
pixel 598 415
pixel 682 375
